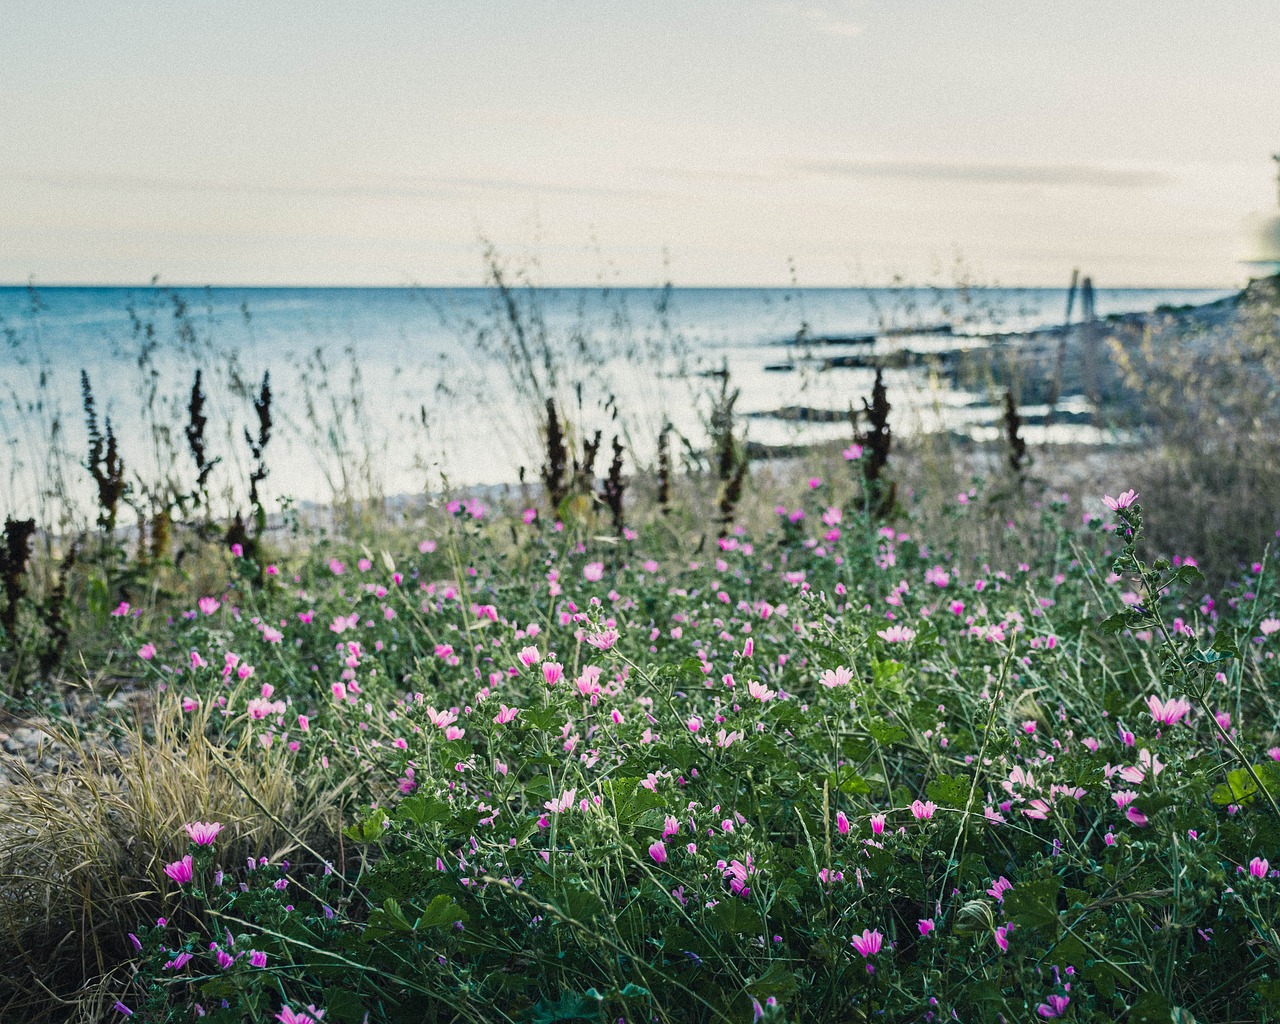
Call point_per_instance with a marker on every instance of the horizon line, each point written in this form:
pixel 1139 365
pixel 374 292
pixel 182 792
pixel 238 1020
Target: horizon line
pixel 598 286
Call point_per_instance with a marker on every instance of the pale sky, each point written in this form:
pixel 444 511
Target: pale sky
pixel 325 142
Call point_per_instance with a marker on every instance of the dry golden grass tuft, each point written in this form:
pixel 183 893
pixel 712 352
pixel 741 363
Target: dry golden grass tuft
pixel 83 847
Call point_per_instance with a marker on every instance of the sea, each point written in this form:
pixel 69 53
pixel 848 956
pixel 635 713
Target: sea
pixel 406 391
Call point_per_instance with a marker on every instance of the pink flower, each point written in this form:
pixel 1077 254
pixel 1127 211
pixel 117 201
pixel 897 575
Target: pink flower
pixel 1168 712
pixel 658 851
pixel 257 958
pixel 925 925
pixel 998 888
pixel 593 572
pixel 209 605
pixel 1053 1006
pixel 529 656
pixel 506 714
pixel 336 567
pixel 760 692
pixel 896 634
pixel 181 871
pixel 1124 501
pixel 852 453
pixel 749 648
pixel 694 723
pixel 178 962
pixel 203 833
pixel 1269 626
pixel 147 651
pixel 839 676
pixel 288 1016
pixel 1258 867
pixel 1136 816
pixel 603 640
pixel 562 804
pixel 1002 937
pixel 842 823
pixel 552 672
pixel 877 824
pixel 923 810
pixel 868 943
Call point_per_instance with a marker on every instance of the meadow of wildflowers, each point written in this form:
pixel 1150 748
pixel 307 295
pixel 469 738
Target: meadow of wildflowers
pixel 822 773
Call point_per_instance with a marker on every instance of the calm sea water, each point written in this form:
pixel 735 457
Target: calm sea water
pixel 404 388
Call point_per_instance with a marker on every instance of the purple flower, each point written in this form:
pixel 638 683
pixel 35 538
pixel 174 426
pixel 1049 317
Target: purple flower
pixel 257 958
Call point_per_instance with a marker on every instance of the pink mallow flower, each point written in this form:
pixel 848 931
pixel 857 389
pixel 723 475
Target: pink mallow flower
pixel 1124 501
pixel 833 677
pixel 1168 712
pixel 658 851
pixel 897 634
pixel 147 651
pixel 869 943
pixel 288 1016
pixel 1258 867
pixel 506 714
pixel 203 833
pixel 181 871
pixel 209 605
pixel 593 572
pixel 923 809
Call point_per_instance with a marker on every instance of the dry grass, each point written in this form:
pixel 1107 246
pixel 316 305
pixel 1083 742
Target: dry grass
pixel 83 847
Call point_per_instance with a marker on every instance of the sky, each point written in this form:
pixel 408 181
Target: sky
pixel 815 142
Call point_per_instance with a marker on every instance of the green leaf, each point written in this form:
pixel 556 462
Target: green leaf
pixel 1113 624
pixel 1225 643
pixel 776 981
pixel 732 915
pixel 1034 904
pixel 1151 1008
pixel 441 911
pixel 883 732
pixel 883 671
pixel 368 830
pixel 1239 788
pixel 343 1006
pixel 948 791
pixel 1209 657
pixel 422 810
pixel 1189 574
pixel 570 1006
pixel 547 719
pixel 582 904
pixel 846 780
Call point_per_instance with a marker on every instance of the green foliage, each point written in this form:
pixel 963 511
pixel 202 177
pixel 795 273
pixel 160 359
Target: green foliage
pixel 630 785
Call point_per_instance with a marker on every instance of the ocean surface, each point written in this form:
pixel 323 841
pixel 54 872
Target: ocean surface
pixel 401 390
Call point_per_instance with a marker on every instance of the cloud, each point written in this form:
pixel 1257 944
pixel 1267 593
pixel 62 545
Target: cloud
pixel 1067 175
pixel 408 188
pixel 821 19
